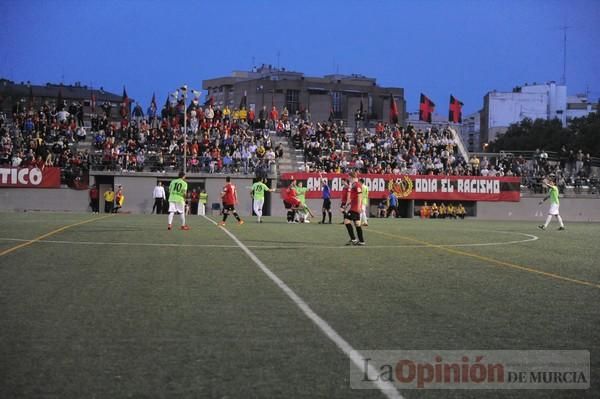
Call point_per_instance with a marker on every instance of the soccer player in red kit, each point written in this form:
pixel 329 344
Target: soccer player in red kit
pixel 353 208
pixel 290 202
pixel 229 199
pixel 345 190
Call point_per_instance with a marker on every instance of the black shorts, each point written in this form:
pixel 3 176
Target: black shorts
pixel 287 205
pixel 351 215
pixel 326 203
pixel 228 207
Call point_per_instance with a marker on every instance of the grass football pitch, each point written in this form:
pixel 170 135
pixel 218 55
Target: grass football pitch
pixel 95 306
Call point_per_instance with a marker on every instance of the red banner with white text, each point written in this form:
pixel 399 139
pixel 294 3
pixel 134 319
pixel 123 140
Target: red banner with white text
pixel 30 177
pixel 418 187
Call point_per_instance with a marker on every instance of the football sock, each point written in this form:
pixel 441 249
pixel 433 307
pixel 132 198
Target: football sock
pixel 323 221
pixel 560 221
pixel 548 219
pixel 290 216
pixel 170 217
pixel 329 214
pixel 236 216
pixel 359 233
pixel 225 214
pixel 350 231
pixel 182 216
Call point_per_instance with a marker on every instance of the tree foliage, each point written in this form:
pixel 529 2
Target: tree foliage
pixel 528 135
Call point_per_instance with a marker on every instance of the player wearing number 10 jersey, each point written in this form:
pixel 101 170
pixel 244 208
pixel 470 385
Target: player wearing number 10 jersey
pixel 258 196
pixel 177 193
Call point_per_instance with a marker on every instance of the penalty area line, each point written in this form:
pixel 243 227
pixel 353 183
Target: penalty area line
pixel 385 387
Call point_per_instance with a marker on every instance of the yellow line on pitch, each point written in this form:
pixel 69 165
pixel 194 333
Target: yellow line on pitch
pixel 491 260
pixel 12 249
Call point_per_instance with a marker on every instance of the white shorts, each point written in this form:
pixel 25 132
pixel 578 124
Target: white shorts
pixel 553 209
pixel 258 204
pixel 176 207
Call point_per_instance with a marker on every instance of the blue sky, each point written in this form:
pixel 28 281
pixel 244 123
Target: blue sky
pixel 465 48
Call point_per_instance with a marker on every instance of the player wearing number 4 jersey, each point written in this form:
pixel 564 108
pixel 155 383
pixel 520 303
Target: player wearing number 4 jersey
pixel 177 193
pixel 229 199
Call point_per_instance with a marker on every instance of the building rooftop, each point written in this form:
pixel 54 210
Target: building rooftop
pixel 76 90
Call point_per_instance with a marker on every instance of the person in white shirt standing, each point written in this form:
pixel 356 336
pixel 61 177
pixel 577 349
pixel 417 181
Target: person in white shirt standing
pixel 159 197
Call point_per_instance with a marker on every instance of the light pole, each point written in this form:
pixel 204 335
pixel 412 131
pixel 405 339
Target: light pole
pixel 184 91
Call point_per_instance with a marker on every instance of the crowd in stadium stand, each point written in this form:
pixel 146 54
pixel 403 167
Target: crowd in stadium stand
pixel 384 149
pixel 45 137
pixel 217 141
pixel 224 140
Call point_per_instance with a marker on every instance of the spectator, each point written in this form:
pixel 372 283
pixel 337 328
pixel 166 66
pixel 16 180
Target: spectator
pixel 159 197
pixel 202 200
pixel 587 165
pixel 194 200
pixel 119 199
pixel 381 210
pixel 109 198
pixel 578 162
pixel 94 199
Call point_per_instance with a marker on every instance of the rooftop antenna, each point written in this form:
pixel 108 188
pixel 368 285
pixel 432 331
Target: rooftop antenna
pixel 278 55
pixel 564 75
pixel 253 62
pixel 588 93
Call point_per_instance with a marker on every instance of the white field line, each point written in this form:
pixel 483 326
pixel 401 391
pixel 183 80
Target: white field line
pixel 530 237
pixel 385 387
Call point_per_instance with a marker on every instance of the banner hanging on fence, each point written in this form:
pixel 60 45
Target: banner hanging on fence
pixel 30 178
pixel 418 187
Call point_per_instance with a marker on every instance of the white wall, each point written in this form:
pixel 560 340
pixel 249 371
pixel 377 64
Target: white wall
pixel 545 101
pixel 571 209
pixel 40 199
pixel 507 108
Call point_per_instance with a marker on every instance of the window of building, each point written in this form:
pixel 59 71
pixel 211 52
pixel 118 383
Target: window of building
pixel 292 100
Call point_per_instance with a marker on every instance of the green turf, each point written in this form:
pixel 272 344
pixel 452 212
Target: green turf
pixel 188 314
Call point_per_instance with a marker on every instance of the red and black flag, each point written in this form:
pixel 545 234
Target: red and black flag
pixel 244 101
pixel 331 113
pixel 168 109
pixel 393 110
pixel 153 106
pixel 124 111
pixel 92 102
pixel 426 108
pixel 455 110
pixel 30 100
